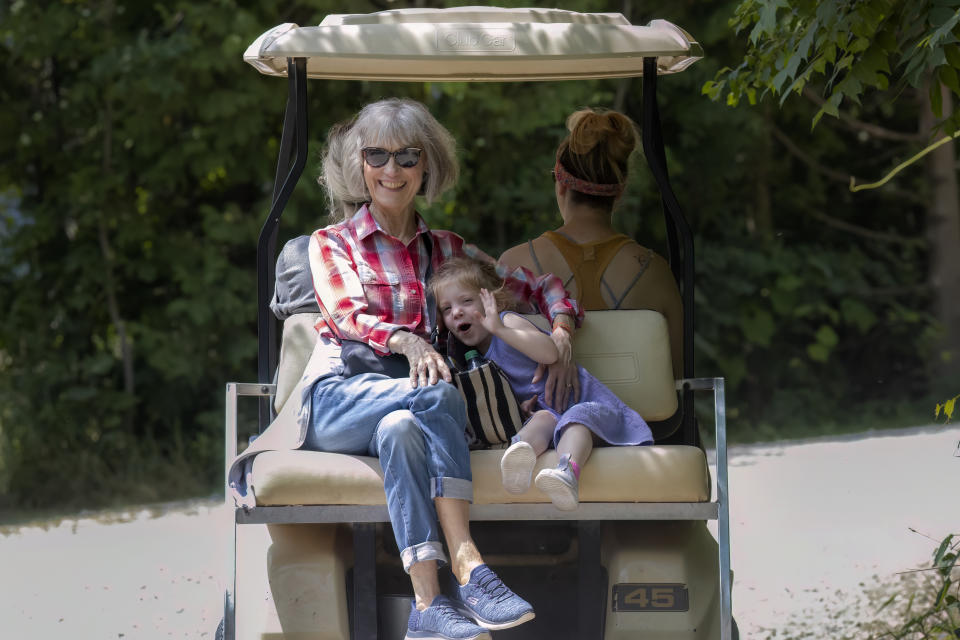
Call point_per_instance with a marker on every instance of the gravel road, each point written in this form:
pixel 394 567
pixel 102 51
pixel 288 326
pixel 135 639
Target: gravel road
pixel 819 529
pixel 822 529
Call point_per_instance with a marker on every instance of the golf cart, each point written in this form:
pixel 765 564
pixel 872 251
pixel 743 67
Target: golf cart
pixel 635 559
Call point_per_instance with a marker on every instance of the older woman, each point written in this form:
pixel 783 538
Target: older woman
pixel 369 273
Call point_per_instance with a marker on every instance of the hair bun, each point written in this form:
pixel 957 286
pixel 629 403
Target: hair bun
pixel 592 127
pixel 598 148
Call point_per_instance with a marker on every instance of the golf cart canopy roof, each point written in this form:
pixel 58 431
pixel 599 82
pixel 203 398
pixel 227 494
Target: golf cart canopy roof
pixel 474 44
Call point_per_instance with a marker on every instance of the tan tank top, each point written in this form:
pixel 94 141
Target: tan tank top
pixel 588 262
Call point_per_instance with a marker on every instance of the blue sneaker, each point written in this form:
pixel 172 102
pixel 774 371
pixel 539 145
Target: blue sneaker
pixel 489 602
pixel 442 621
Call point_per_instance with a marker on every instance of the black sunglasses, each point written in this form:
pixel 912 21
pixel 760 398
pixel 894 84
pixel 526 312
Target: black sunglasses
pixel 377 157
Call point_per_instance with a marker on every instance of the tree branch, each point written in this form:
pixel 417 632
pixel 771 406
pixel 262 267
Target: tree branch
pixel 870 234
pixel 920 288
pixel 807 159
pixel 109 281
pixel 126 348
pixel 859 125
pixel 906 163
pixel 833 174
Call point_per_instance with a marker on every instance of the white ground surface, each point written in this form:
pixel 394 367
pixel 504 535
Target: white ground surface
pixel 817 525
pixel 814 525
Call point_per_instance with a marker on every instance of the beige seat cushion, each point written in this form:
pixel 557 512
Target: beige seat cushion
pixel 629 351
pixel 613 474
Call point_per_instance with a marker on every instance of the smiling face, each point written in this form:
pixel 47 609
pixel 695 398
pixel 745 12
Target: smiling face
pixel 461 310
pixel 393 188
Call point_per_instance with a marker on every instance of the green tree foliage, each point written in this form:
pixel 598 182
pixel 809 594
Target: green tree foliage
pixel 886 71
pixel 852 45
pixel 138 158
pixel 134 160
pixel 946 408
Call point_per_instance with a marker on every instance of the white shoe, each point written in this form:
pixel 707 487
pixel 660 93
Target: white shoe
pixel 561 485
pixel 516 467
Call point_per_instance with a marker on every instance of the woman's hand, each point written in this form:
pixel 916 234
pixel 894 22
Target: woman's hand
pixel 426 365
pixel 563 384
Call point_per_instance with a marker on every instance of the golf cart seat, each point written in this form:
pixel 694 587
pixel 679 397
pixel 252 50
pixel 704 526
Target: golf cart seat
pixel 340 498
pixel 626 349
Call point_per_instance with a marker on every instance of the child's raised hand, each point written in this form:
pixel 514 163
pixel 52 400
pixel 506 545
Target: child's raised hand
pixel 491 316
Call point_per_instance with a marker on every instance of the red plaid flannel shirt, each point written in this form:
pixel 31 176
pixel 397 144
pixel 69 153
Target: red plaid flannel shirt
pixel 370 285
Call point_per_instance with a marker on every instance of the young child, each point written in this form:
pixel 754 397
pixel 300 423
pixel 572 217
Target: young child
pixel 473 307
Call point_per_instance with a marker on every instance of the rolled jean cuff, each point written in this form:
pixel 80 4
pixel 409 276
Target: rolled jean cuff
pixel 451 488
pixel 422 552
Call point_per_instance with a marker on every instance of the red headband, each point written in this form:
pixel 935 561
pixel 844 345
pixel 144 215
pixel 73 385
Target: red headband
pixel 589 188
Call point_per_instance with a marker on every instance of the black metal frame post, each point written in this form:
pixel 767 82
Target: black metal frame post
pixel 363 626
pixel 592 588
pixel 293 144
pixel 679 235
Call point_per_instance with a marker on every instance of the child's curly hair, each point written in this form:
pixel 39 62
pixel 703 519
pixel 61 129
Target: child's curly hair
pixel 476 275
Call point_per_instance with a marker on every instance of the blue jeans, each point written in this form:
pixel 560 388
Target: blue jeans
pixel 418 434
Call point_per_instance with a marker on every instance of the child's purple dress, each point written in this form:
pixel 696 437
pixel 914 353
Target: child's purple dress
pixel 599 409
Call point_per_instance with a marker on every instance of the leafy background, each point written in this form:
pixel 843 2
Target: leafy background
pixel 138 153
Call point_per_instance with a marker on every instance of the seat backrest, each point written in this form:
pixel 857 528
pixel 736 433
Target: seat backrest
pixel 627 350
pixel 299 338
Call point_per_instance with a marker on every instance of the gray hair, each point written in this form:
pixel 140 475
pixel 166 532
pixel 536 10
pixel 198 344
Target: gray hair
pixel 394 122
